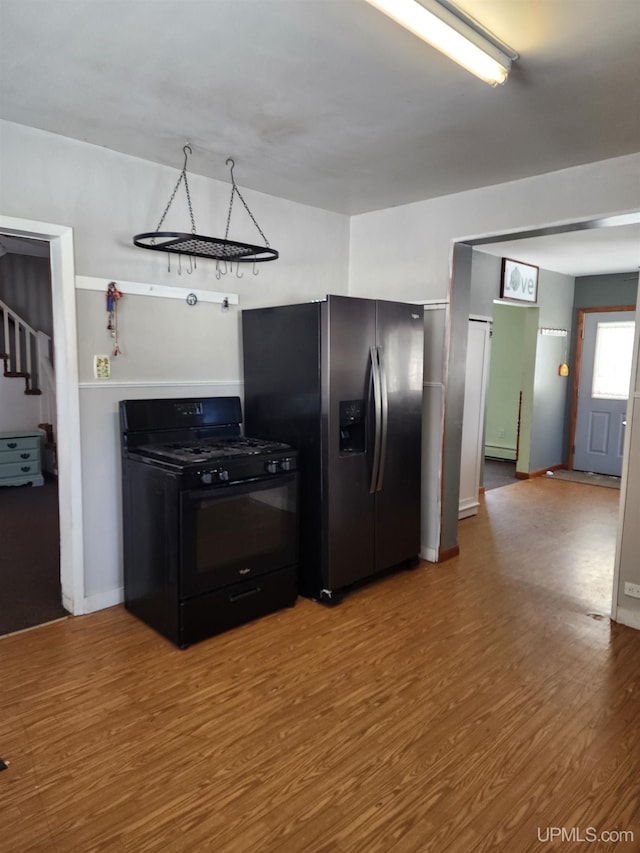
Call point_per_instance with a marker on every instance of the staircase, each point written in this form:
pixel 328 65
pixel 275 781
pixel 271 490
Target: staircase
pixel 26 354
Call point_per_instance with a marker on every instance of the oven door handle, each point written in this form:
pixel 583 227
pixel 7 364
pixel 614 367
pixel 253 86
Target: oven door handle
pixel 238 595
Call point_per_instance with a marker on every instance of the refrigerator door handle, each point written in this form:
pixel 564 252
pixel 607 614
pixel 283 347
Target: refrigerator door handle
pixel 384 417
pixel 377 410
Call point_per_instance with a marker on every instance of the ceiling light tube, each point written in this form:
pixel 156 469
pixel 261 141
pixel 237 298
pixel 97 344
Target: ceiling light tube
pixel 459 37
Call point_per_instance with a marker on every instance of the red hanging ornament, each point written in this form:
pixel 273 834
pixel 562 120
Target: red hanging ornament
pixel 113 296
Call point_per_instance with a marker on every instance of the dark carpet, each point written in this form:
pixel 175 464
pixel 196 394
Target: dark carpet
pixel 29 557
pixel 498 473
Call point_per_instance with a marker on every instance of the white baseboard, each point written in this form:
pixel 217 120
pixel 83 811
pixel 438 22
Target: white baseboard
pixel 493 451
pixel 630 618
pixel 468 507
pixel 101 600
pixel 429 554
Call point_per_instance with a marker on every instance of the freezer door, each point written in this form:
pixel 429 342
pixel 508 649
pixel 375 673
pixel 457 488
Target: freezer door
pixel 348 334
pixel 399 341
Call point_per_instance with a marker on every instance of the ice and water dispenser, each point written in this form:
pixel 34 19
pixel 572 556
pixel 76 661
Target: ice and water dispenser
pixel 352 426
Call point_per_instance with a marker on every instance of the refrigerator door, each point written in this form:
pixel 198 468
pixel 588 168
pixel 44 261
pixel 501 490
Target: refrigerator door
pixel 348 334
pixel 399 341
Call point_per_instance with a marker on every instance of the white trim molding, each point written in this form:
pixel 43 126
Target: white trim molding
pixel 101 600
pixel 164 383
pixel 138 288
pixel 625 616
pixel 63 298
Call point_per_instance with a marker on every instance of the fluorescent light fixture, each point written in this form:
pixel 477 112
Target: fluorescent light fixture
pixel 446 28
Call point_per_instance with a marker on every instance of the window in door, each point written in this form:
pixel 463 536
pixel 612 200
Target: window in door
pixel 612 360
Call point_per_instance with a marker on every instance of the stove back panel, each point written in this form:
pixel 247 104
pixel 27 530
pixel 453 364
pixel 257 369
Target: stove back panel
pixel 182 413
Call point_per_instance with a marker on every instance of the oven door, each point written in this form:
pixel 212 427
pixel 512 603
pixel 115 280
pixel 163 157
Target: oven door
pixel 237 532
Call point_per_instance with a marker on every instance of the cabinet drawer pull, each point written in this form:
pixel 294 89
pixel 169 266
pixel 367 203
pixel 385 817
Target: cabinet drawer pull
pixel 12 444
pixel 25 456
pixel 25 468
pixel 246 594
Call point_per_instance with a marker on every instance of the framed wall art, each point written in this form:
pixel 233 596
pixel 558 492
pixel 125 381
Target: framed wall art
pixel 519 282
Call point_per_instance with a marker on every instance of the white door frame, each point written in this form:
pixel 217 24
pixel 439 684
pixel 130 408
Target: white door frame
pixel 474 414
pixel 60 239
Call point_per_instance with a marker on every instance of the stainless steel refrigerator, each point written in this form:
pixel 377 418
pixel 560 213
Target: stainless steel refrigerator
pixel 341 380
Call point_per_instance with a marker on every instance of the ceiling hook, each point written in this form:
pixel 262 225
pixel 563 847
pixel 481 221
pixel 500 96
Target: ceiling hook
pixel 231 161
pixel 186 148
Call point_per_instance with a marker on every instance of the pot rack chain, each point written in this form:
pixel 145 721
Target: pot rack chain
pixel 196 245
pixel 235 191
pixel 183 177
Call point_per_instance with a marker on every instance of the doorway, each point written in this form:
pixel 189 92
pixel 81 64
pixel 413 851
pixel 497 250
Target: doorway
pixel 511 384
pixel 60 239
pixel 604 356
pixel 29 506
pixel 460 310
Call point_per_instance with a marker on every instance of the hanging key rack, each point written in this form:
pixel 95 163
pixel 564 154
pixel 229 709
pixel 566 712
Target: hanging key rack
pixel 194 245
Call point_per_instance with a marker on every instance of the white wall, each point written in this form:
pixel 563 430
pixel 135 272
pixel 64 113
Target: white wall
pixel 626 608
pixel 169 349
pixel 17 409
pixel 405 252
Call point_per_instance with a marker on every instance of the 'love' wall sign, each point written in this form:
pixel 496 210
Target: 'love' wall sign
pixel 519 281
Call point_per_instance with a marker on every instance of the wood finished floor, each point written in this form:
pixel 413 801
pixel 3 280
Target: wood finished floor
pixel 462 708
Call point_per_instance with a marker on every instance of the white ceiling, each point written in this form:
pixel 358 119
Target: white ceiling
pixel 326 102
pixel 576 253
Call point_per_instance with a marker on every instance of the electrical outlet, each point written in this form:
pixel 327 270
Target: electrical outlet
pixel 632 589
pixel 101 367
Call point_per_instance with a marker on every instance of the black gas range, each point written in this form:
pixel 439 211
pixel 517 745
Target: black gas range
pixel 210 517
pixel 205 462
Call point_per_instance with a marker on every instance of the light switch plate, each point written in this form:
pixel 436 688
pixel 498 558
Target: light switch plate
pixel 101 367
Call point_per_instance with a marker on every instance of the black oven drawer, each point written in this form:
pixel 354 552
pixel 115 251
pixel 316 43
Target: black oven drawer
pixel 217 611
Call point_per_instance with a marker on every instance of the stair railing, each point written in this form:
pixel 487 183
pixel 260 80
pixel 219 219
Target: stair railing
pixel 26 351
pixel 47 377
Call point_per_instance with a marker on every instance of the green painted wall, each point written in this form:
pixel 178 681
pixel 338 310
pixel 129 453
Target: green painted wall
pixel 505 381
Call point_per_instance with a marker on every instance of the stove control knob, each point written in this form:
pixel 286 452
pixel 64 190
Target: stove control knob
pixel 223 475
pixel 271 466
pixel 206 478
pixel 285 464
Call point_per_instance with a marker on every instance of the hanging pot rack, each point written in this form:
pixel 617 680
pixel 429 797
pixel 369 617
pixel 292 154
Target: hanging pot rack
pixel 199 246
